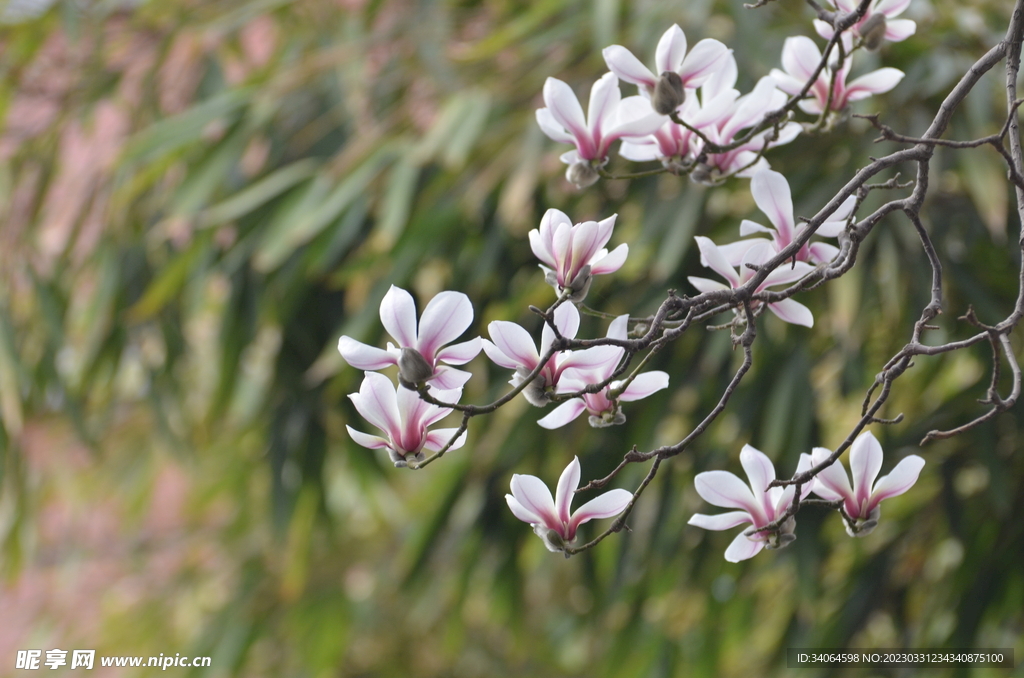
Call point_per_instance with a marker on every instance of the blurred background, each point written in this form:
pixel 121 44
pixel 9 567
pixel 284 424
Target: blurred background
pixel 198 198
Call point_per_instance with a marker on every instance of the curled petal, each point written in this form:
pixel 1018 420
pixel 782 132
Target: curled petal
pixel 563 414
pixel 611 503
pixel 791 311
pixel 612 261
pixel 900 479
pixel 644 385
pixel 627 67
pixel 722 521
pixel 742 548
pixel 438 438
pixel 366 440
pixel 364 357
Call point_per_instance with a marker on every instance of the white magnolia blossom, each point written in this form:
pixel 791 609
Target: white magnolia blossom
pixel 861 502
pixel 572 254
pixel 876 25
pixel 758 505
pixel 532 503
pixel 800 58
pixel 421 349
pixel 403 417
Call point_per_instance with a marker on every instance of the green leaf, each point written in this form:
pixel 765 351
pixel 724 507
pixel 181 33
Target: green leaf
pixel 186 128
pixel 258 194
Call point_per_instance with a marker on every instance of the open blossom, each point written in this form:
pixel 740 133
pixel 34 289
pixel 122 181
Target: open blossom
pixel 758 506
pixel 773 197
pixel 861 502
pixel 512 347
pixel 562 120
pixel 800 58
pixel 759 253
pixel 876 25
pixel 422 349
pixel 670 56
pixel 602 408
pixel 571 255
pixel 531 502
pixel 403 417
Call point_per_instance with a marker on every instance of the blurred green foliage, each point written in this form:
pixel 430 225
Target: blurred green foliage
pixel 198 199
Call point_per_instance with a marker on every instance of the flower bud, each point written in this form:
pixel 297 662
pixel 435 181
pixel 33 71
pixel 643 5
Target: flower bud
pixel 413 368
pixel 582 174
pixel 872 31
pixel 536 392
pixel 862 527
pixel 668 93
pixel 703 174
pixel 580 285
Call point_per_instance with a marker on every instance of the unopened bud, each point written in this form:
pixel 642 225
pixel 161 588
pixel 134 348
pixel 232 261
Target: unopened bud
pixel 413 368
pixel 703 174
pixel 872 31
pixel 668 93
pixel 582 174
pixel 580 285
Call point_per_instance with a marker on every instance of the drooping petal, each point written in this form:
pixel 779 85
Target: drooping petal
pixel 900 479
pixel 706 285
pixel 722 521
pixel 721 488
pixel 865 463
pixel 742 548
pixel 644 385
pixel 772 195
pixel 438 438
pixel 462 353
pixel 671 49
pixel 712 258
pixel 563 414
pixel 611 503
pixel 706 57
pixel 748 227
pixel 521 512
pixel 398 315
pixel 627 67
pixel 793 312
pixel 515 342
pixel 567 484
pixel 446 317
pixel 875 82
pixel 364 357
pixel 551 127
pixel 612 261
pixel 366 440
pixel 534 496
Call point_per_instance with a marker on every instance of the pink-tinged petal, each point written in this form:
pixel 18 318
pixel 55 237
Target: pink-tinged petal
pixel 377 402
pixel 563 414
pixel 604 230
pixel 567 320
pixel 671 49
pixel 722 81
pixel 561 242
pixel 832 483
pixel 609 504
pixel 772 196
pixel 366 440
pixel 831 229
pixel 444 319
pixel 734 252
pixel 800 57
pixel 900 479
pixel 891 8
pixel 627 67
pixel 498 356
pixel 742 548
pixel 711 257
pixel 640 151
pixel 584 246
pixel 398 314
pixel 704 285
pixel 515 342
pixel 619 328
pixel 519 511
pixel 567 484
pixel 722 521
pixel 605 357
pixel 534 496
pixel 721 488
pixel 875 82
pixel 449 378
pixel 551 128
pixel 703 61
pixel 824 29
pixel 822 253
pixel 364 357
pixel 460 354
pixel 751 108
pixel 898 30
pixel 748 227
pixel 438 438
pixel 604 102
pixel 644 385
pixel 785 273
pixel 793 312
pixel 786 82
pixel 865 463
pixel 714 111
pixel 612 261
pixel 565 108
pixel 758 467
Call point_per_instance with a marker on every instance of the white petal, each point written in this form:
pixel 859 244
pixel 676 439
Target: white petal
pixel 534 496
pixel 644 385
pixel 619 328
pixel 552 128
pixel 865 463
pixel 444 319
pixel 377 402
pixel 567 484
pixel 900 479
pixel 627 67
pixel 772 195
pixel 748 227
pixel 449 378
pixel 515 342
pixel 898 30
pixel 460 354
pixel 565 107
pixel 519 511
pixel 793 312
pixel 734 252
pixel 758 467
pixel 438 438
pixel 563 414
pixel 398 314
pixel 567 320
pixel 832 483
pixel 721 488
pixel 611 503
pixel 610 262
pixel 822 253
pixel 800 57
pixel 722 521
pixel 703 61
pixel 604 103
pixel 710 254
pixel 364 357
pixel 875 82
pixel 366 440
pixel 742 548
pixel 706 285
pixel 671 49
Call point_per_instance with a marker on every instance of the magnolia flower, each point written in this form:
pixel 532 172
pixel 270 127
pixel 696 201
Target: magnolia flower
pixel 531 502
pixel 861 502
pixel 419 350
pixel 572 255
pixel 772 196
pixel 713 257
pixel 563 121
pixel 757 504
pixel 513 348
pixel 404 418
pixel 800 58
pixel 670 57
pixel 876 25
pixel 603 409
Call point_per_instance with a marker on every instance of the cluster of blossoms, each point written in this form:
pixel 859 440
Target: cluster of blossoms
pixel 689 116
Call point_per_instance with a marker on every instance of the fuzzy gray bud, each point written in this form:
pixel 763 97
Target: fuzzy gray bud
pixel 872 31
pixel 668 93
pixel 582 174
pixel 703 174
pixel 580 285
pixel 413 368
